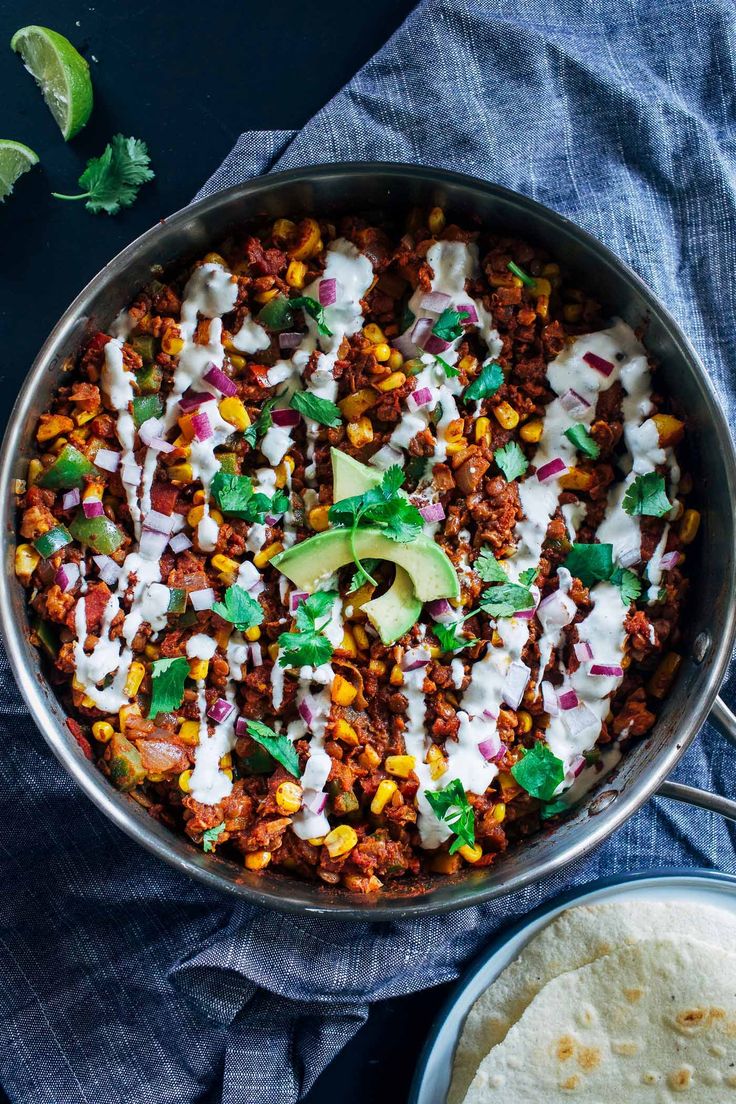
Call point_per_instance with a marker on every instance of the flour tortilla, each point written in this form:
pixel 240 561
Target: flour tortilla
pixel 650 1023
pixel 575 938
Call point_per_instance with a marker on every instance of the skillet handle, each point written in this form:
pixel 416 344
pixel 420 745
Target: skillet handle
pixel 725 721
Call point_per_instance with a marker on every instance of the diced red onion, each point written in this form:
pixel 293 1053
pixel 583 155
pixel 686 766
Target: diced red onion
pixel 421 397
pixel 306 709
pixel 131 474
pixel 314 801
pixel 221 381
pixel 406 345
pixel 92 508
pixel 440 610
pixel 610 670
pixel 433 512
pixel 248 575
pixel 574 403
pixel 290 340
pixel 220 710
pixel 190 400
pixel 577 766
pixel 669 560
pixel 160 444
pixel 71 499
pixel 528 614
pixel 271 520
pixel 491 747
pixel 67 576
pixel 414 658
pixel 556 610
pixel 421 331
pixel 515 683
pixel 435 301
pixel 202 599
pixel 180 543
pixel 286 417
pixel 241 726
pixel 256 654
pixel 583 651
pixel 552 468
pixel 472 319
pixel 629 557
pixel 435 345
pixel 578 719
pixel 107 459
pixel 594 361
pixel 386 457
pixel 295 598
pixel 158 522
pixel 152 545
pixel 549 699
pixel 108 569
pixel 568 699
pixel 491 714
pixel 151 428
pixel 327 292
pixel 201 426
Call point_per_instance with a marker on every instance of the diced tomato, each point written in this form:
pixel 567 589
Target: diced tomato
pixel 163 497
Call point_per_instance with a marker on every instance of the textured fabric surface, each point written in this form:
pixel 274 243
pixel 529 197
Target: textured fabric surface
pixel 122 981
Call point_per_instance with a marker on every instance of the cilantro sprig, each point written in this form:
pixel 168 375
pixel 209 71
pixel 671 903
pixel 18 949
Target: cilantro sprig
pixel 506 600
pixel 240 608
pixel 112 180
pixel 593 563
pixel 449 638
pixel 280 747
pixel 236 497
pixel 451 806
pixel 320 410
pixel 647 495
pixel 308 646
pixel 382 507
pixel 315 310
pixel 210 836
pixel 539 772
pixel 511 460
pixel 449 369
pixel 362 574
pixel 262 424
pixel 167 684
pixel 486 383
pixel 580 437
pixel 448 326
pixel 488 568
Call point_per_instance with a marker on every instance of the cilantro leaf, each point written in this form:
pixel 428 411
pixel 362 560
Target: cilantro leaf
pixel 488 567
pixel 647 495
pixel 590 563
pixel 210 836
pixel 112 180
pixel 279 503
pixel 308 646
pixel 315 310
pixel 628 583
pixel 236 497
pixel 449 369
pixel 486 383
pixel 506 600
pixel 554 808
pixel 362 574
pixel 511 460
pixel 319 410
pixel 526 578
pixel 448 326
pixel 381 506
pixel 167 684
pixel 280 747
pixel 452 806
pixel 240 608
pixel 580 437
pixel 262 424
pixel 539 772
pixel 449 638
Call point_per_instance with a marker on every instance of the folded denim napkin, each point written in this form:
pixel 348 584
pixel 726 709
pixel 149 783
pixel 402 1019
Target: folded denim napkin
pixel 123 981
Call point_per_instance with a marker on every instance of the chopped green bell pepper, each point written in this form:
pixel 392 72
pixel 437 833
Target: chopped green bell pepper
pixel 145 346
pixel 277 314
pixel 228 462
pixel 126 765
pixel 47 636
pixel 344 803
pixel 258 762
pixel 149 379
pixel 67 471
pixel 145 407
pixel 187 619
pixel 177 600
pixel 49 543
pixel 98 533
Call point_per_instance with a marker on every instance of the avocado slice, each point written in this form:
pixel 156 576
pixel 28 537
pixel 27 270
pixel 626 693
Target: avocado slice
pixel 350 477
pixel 430 570
pixel 396 611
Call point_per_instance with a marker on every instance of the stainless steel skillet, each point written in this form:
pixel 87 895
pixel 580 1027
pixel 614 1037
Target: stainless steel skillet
pixel 711 617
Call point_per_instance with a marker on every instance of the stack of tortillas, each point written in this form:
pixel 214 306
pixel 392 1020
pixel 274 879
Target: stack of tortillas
pixel 609 1004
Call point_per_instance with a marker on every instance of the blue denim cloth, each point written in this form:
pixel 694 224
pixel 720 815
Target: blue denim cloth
pixel 122 981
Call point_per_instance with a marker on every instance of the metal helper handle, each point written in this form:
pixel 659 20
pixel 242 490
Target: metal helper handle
pixel 725 721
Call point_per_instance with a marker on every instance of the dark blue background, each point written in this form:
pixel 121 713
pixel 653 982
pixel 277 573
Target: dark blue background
pixel 188 78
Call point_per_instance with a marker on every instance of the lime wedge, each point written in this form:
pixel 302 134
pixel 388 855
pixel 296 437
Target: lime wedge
pixel 61 73
pixel 15 159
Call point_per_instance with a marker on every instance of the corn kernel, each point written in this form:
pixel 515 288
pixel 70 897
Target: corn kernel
pixel 360 433
pixel 386 790
pixel 342 692
pixel 524 722
pixel 273 651
pixel 237 362
pixel 35 467
pixel 663 677
pixel 284 471
pixel 26 562
pixel 253 633
pixel 195 515
pixel 575 479
pixel 84 416
pixel 229 774
pixel 506 416
pixel 103 731
pixel 689 526
pixel 318 518
pixel 171 343
pixel 369 758
pixel 437 762
pixel 262 558
pixel 309 241
pixel 316 841
pixel 345 733
pixel 455 445
pixel 347 644
pixel 266 296
pixel 499 811
pixel 445 863
pixel 572 312
pixel 125 712
pixel 395 361
pixel 377 667
pixel 354 406
pixel 189 733
pixel 234 412
pixel 134 679
pixel 227 568
pixel 257 860
pixel 532 431
pixel 198 668
pixel 392 382
pixel 184 781
pixel 361 637
pixel 396 678
pixel 434 651
pixel 471 854
pixel 215 258
pixel 374 334
pixel 289 797
pixel 541 287
pixel 340 840
pixel 181 473
pixel 296 274
pixel 551 269
pixel 400 765
pixel 482 427
pixel 382 352
pixel 436 221
pixel 283 229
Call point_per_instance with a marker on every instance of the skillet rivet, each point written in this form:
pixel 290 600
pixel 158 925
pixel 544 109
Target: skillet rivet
pixel 701 645
pixel 602 802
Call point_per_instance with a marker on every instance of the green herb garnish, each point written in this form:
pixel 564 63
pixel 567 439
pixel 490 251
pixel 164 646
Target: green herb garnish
pixel 449 369
pixel 315 310
pixel 488 568
pixel 280 747
pixel 628 583
pixel 647 495
pixel 112 180
pixel 240 608
pixel 448 326
pixel 590 563
pixel 506 600
pixel 319 410
pixel 236 497
pixel 525 278
pixel 449 638
pixel 451 806
pixel 380 506
pixel 308 646
pixel 167 684
pixel 210 836
pixel 526 578
pixel 262 424
pixel 362 574
pixel 486 383
pixel 554 808
pixel 539 772
pixel 580 437
pixel 511 460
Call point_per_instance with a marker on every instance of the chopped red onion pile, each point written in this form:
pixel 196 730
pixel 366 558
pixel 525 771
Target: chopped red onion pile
pixel 436 301
pixel 491 748
pixel 471 312
pixel 180 543
pixel 256 654
pixel 152 545
pixel 92 508
pixel 414 658
pixel 131 473
pixel 190 400
pixel 669 560
pixel 315 801
pixel 108 569
pixel 71 499
pixel 629 557
pixel 221 381
pixel 528 614
pixel 440 610
pixel 610 670
pixel 295 598
pixel 549 699
pixel 201 426
pixel 435 345
pixel 67 576
pixel 578 719
pixel 421 330
pixel 158 522
pixel 574 404
pixel 568 699
pixel 421 397
pixel 290 341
